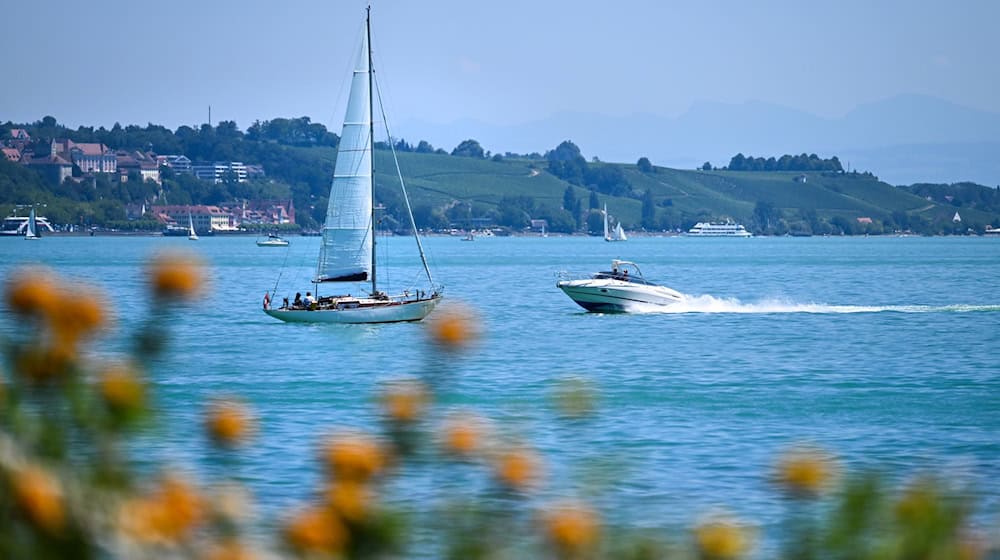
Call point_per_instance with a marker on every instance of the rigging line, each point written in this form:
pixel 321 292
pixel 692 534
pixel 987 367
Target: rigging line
pixel 406 197
pixel 281 271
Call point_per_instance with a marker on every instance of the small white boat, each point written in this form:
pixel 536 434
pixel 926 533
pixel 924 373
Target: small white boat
pixel 619 290
pixel 616 234
pixel 709 229
pixel 469 237
pixel 272 241
pixel 191 233
pixel 32 231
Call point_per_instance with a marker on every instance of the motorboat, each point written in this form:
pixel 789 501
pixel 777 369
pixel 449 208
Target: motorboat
pixel 619 290
pixel 272 240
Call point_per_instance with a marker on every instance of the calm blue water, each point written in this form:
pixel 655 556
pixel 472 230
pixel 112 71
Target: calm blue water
pixel 882 350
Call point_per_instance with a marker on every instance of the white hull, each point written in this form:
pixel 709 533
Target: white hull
pixel 272 244
pixel 605 295
pixel 366 311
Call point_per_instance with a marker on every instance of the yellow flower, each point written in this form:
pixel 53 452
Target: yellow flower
pixel 517 469
pixel 316 530
pixel 77 313
pixel 175 275
pixel 351 500
pixel 805 471
pixel 39 495
pixel 228 422
pixel 721 539
pixel 454 329
pixel 121 389
pixel 572 528
pixel 462 434
pixel 354 457
pixel 230 549
pixel 404 401
pixel 31 292
pixel 167 515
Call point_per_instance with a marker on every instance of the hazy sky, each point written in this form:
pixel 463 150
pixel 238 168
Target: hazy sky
pixel 499 62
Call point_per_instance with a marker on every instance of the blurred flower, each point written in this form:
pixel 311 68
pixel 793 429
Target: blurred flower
pixel 175 275
pixel 39 495
pixel 517 469
pixel 122 390
pixel 572 528
pixel 721 539
pixel 77 313
pixel 169 514
pixel 351 500
pixel 229 549
pixel 454 329
pixel 404 401
pixel 31 292
pixel 231 501
pixel 316 530
pixel 805 471
pixel 462 434
pixel 354 457
pixel 575 398
pixel 228 422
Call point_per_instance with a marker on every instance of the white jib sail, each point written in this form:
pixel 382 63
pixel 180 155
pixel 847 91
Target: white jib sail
pixel 346 249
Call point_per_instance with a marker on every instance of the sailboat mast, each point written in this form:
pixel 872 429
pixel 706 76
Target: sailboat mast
pixel 371 133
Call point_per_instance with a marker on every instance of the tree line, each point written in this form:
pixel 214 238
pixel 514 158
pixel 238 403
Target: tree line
pixel 787 162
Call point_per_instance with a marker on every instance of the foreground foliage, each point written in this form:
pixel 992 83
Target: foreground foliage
pixel 68 488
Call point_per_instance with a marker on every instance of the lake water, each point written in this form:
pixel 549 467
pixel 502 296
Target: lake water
pixel 882 350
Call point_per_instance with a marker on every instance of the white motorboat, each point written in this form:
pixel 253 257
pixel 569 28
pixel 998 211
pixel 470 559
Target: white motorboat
pixel 272 240
pixel 709 229
pixel 347 250
pixel 621 289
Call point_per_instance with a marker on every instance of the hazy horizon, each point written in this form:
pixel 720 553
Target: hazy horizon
pixel 503 66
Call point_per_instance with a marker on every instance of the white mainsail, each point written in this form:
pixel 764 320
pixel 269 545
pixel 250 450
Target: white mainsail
pixel 32 231
pixel 607 234
pixel 346 250
pixel 620 233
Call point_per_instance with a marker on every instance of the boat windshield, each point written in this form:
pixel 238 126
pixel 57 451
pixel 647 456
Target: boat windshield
pixel 609 275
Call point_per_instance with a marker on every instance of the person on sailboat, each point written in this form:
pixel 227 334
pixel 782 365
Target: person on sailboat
pixel 310 300
pixel 298 300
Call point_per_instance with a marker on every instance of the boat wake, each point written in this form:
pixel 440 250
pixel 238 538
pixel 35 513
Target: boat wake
pixel 711 304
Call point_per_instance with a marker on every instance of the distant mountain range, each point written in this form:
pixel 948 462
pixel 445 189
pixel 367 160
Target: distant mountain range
pixel 903 140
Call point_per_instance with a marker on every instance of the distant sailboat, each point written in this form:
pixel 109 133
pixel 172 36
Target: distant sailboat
pixel 617 234
pixel 347 251
pixel 31 232
pixel 191 233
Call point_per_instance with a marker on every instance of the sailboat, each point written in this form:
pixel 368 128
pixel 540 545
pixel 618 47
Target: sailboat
pixel 191 233
pixel 347 250
pixel 617 234
pixel 31 232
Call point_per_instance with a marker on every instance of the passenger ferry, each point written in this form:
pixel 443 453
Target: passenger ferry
pixel 708 229
pixel 18 225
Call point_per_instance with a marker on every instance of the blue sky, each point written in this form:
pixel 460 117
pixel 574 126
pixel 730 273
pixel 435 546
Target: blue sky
pixel 501 63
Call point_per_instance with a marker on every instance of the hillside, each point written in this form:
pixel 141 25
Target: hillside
pixel 475 189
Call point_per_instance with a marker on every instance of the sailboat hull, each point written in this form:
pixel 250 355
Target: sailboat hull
pixel 393 311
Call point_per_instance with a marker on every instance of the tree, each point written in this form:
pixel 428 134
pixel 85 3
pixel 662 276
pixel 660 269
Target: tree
pixel 648 210
pixel 644 165
pixel 424 147
pixel 594 202
pixel 468 148
pixel 569 199
pixel 707 166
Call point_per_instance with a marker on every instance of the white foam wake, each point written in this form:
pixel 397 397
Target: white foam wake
pixel 711 304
